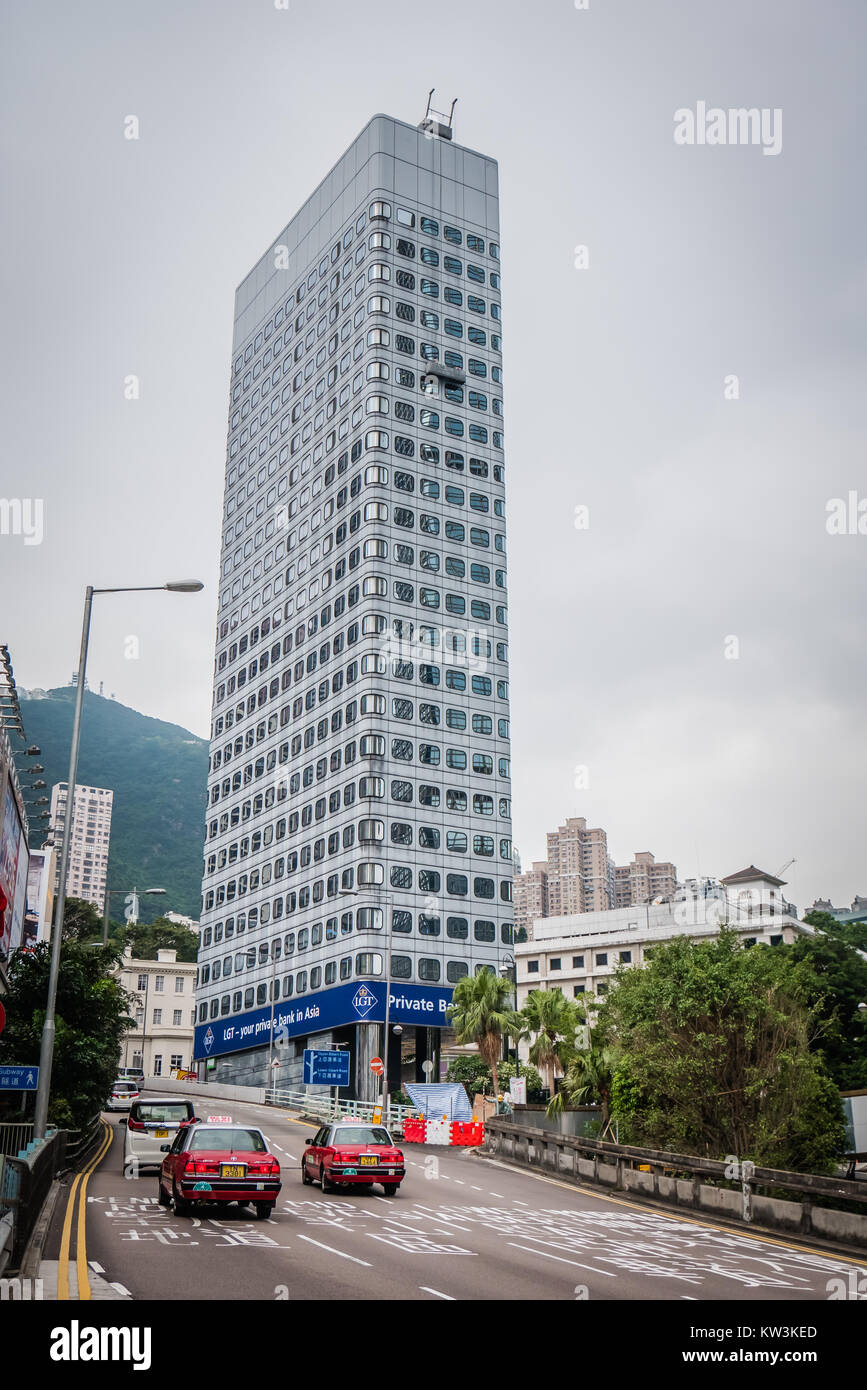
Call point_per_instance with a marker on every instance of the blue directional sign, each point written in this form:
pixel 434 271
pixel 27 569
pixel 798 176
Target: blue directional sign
pixel 326 1068
pixel 19 1078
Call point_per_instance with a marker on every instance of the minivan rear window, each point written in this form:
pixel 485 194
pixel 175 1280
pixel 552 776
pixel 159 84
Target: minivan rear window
pixel 166 1112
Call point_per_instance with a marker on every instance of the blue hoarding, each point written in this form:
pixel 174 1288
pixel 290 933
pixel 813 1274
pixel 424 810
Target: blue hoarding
pixel 325 1068
pixel 316 1013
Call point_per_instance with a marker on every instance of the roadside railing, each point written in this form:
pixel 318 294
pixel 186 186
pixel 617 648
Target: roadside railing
pixel 742 1190
pixel 14 1137
pixel 79 1142
pixel 328 1107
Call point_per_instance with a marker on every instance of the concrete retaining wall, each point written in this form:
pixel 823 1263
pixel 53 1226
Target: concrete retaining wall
pixel 156 1085
pixel 613 1166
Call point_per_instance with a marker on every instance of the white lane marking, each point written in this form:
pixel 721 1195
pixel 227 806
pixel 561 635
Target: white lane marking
pixel 121 1288
pixel 332 1251
pixel 459 1182
pixel 689 1298
pixel 475 1189
pixel 519 1203
pixel 530 1251
pixel 436 1293
pixel 496 1194
pixel 97 1269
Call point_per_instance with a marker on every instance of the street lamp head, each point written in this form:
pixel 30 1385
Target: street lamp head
pixel 152 891
pixel 862 1008
pixel 184 586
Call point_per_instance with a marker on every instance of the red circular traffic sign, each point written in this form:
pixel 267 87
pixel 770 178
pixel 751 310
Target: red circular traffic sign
pixel 376 1066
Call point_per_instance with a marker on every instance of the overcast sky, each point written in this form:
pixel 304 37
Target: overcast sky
pixel 707 515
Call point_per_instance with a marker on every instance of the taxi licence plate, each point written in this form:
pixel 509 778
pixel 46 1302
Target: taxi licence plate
pixel 368 1162
pixel 161 1134
pixel 233 1170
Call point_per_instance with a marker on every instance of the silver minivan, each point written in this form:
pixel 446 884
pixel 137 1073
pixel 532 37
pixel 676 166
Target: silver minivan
pixel 153 1122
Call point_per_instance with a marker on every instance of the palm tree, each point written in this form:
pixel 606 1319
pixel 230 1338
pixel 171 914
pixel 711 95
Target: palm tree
pixel 589 1079
pixel 480 1014
pixel 553 1019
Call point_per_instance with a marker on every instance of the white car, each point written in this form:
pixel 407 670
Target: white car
pixel 123 1093
pixel 152 1124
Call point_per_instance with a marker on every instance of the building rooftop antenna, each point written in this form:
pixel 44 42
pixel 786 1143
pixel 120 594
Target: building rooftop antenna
pixel 436 124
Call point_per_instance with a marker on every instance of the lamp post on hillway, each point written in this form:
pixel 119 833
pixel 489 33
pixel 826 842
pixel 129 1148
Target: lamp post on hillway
pixel 46 1052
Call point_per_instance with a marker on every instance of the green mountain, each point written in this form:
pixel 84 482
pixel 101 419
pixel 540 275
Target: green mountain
pixel 158 773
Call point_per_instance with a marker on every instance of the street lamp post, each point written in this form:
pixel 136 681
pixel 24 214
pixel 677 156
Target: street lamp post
pixel 46 1051
pixel 148 892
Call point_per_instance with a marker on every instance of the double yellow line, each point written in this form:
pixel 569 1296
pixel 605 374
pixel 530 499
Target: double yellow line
pixel 80 1246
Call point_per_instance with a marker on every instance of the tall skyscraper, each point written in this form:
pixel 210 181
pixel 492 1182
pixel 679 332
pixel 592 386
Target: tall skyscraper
pixel 359 817
pixel 90 843
pixel 579 878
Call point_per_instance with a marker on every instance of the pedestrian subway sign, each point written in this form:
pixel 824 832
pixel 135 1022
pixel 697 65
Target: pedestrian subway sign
pixel 19 1078
pixel 364 1001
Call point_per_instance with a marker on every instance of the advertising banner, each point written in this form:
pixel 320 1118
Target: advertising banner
pixel 330 1008
pixel 11 839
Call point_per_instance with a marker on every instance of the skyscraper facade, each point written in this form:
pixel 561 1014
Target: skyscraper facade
pixel 89 845
pixel 359 817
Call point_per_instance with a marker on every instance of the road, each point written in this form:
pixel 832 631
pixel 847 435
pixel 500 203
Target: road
pixel 460 1228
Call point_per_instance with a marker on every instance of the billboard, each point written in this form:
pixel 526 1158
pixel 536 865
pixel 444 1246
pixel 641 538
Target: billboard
pixel 11 846
pixel 315 1013
pixel 40 897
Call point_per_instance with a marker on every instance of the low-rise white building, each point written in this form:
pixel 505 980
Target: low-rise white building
pixel 579 954
pixel 165 1013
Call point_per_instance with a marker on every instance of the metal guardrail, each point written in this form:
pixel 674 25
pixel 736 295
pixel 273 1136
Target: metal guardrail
pixel 561 1152
pixel 80 1141
pixel 327 1107
pixel 14 1137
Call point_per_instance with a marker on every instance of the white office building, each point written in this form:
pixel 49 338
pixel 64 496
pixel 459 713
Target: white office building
pixel 359 817
pixel 581 953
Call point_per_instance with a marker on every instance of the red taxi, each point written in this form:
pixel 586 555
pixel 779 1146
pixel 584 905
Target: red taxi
pixel 219 1162
pixel 354 1154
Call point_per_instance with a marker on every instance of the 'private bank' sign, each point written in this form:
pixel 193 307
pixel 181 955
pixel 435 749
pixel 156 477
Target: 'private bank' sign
pixel 331 1008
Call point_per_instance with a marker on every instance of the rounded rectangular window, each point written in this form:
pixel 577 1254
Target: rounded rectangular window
pixel 458 928
pixel 370 875
pixel 368 963
pixel 428 970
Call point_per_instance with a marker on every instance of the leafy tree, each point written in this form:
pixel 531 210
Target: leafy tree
pixel 589 1079
pixel 551 1019
pixel 91 1020
pixel 714 1056
pixel 852 933
pixel 146 938
pixel 476 1075
pixel 520 935
pixel 835 981
pixel 81 921
pixel 535 1085
pixel 480 1015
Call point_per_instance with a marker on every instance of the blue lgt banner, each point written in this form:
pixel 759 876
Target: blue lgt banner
pixel 423 1005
